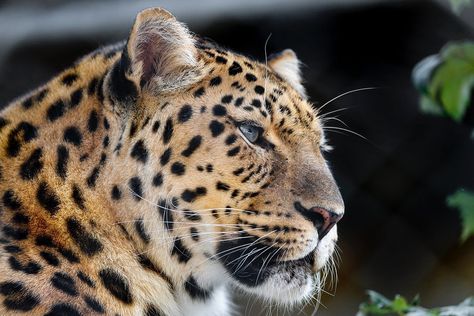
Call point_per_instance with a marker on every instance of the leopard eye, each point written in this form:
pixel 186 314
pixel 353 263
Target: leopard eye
pixel 250 131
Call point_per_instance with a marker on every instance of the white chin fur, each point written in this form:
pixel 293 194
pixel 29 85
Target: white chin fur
pixel 293 287
pixel 218 305
pixel 325 249
pixel 277 290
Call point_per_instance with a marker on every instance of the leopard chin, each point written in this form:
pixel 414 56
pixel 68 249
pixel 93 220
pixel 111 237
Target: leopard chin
pixel 285 282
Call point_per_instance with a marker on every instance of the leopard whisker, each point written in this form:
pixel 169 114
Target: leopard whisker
pixel 266 262
pixel 180 211
pixel 345 130
pixel 265 78
pixel 244 258
pixel 222 239
pixel 334 274
pixel 238 267
pixel 172 237
pixel 344 94
pixel 257 240
pixel 317 294
pixel 190 224
pixel 334 118
pixel 227 251
pixel 275 252
pixel 236 248
pixel 228 239
pixel 322 116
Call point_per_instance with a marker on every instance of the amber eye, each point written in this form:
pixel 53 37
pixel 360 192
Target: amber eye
pixel 250 131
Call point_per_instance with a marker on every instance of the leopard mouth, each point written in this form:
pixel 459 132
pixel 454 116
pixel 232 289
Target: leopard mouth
pixel 251 264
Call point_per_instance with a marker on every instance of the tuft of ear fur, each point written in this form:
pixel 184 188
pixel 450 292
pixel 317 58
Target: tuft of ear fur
pixel 162 51
pixel 287 66
pixel 159 56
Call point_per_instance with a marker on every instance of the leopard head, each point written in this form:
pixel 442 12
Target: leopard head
pixel 232 159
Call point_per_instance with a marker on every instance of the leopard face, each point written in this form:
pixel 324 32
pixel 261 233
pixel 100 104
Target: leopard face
pixel 235 155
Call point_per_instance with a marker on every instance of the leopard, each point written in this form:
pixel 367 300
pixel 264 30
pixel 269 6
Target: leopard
pixel 159 176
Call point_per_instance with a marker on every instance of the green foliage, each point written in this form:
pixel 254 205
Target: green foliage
pixel 458 5
pixel 446 80
pixel 379 305
pixel 464 201
pixel 446 85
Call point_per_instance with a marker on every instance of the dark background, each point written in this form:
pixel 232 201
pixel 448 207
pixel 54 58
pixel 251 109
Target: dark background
pixel 398 235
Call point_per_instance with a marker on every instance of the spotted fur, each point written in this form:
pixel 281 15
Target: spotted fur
pixel 128 187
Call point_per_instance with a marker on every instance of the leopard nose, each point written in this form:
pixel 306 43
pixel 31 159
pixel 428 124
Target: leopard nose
pixel 327 220
pixel 322 218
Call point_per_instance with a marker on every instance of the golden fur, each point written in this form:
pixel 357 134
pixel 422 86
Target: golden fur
pixel 105 205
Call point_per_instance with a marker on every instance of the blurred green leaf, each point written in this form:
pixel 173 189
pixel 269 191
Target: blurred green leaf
pixel 458 5
pixel 380 305
pixel 377 298
pixel 429 106
pixel 464 202
pixel 446 80
pixel 416 300
pixel 399 304
pixel 452 84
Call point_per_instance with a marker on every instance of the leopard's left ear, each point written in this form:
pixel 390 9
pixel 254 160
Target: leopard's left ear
pixel 287 66
pixel 159 56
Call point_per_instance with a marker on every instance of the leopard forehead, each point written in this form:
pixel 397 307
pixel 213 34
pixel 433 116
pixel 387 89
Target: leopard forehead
pixel 235 88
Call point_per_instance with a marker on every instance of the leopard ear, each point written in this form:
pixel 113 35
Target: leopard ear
pixel 160 55
pixel 287 66
pixel 162 51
